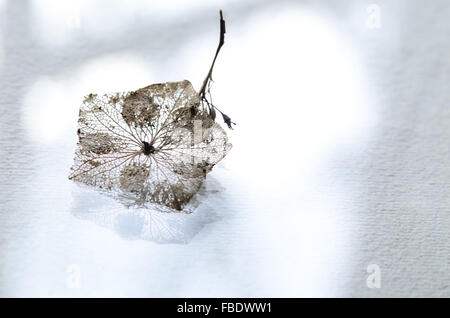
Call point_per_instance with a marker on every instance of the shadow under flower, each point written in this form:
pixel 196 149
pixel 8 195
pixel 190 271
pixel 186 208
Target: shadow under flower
pixel 148 222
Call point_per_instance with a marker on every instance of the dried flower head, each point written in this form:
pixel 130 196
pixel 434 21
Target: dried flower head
pixel 157 143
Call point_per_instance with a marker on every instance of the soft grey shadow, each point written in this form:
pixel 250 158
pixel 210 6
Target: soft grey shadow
pixel 147 223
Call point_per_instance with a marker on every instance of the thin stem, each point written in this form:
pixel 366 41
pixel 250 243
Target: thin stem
pixel 221 42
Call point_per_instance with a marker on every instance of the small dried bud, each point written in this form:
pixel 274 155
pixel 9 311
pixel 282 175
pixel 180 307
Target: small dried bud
pixel 193 110
pixel 212 113
pixel 227 121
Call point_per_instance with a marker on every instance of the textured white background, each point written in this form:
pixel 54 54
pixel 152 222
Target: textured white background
pixel 340 158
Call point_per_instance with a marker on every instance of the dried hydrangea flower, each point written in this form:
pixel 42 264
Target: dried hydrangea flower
pixel 157 143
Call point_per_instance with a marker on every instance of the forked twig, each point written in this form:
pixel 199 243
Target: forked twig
pixel 207 81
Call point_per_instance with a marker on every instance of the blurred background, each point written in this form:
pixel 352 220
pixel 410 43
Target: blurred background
pixel 337 183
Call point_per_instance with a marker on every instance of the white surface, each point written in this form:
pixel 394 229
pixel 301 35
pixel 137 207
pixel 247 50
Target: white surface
pixel 340 155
